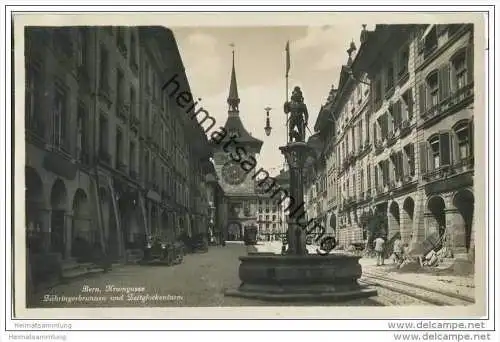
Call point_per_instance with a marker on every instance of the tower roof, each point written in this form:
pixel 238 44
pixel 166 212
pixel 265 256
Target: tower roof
pixel 233 123
pixel 233 99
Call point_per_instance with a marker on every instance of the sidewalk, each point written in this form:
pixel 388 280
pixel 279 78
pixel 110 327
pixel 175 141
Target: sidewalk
pixel 462 285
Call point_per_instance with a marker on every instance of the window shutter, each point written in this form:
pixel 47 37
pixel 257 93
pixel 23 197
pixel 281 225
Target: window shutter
pixel 374 132
pixel 422 96
pixel 445 148
pixel 470 63
pixel 368 177
pixel 444 82
pixel 471 137
pixel 399 111
pixel 423 157
pixel 386 171
pixel 376 177
pixel 405 164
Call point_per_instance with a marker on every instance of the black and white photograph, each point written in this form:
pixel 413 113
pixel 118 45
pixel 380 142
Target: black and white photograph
pixel 308 163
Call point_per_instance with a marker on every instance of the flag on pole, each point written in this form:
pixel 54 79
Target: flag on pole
pixel 287 49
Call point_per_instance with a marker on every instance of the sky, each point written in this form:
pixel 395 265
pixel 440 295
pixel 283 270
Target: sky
pixel 317 54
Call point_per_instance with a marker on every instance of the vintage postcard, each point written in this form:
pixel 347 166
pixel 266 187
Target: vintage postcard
pixel 250 165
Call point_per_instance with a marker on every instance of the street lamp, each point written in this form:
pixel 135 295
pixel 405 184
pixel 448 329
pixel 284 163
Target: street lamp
pixel 268 127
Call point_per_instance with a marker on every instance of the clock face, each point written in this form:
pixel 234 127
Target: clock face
pixel 233 173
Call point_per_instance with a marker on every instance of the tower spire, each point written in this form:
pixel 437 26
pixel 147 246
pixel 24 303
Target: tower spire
pixel 233 100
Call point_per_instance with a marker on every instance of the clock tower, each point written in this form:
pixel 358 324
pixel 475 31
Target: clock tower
pixel 230 156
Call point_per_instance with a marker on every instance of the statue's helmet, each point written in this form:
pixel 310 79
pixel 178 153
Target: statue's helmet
pixel 297 94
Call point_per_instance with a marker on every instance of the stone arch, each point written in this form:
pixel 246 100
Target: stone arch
pixel 463 200
pixel 84 232
pixel 407 215
pixel 35 212
pixel 58 195
pixel 394 219
pixel 381 211
pixel 234 231
pixel 437 217
pixel 58 222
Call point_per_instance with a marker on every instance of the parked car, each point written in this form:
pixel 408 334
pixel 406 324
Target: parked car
pixel 157 250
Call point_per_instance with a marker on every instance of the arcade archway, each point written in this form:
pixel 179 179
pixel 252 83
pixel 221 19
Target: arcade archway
pixel 394 219
pixel 58 202
pixel 234 231
pixel 437 219
pixel 464 202
pixel 407 219
pixel 35 225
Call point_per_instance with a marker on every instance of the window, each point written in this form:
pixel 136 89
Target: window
pixel 153 170
pixel 433 86
pixel 133 50
pixel 409 160
pixel 462 73
pixel 104 68
pixel 120 88
pixel 63 40
pixel 132 156
pixel 81 135
pixel 360 134
pixel 146 76
pixel 82 48
pixel 367 126
pixel 384 126
pixel 103 134
pixel 132 102
pixel 395 112
pixel 377 93
pixel 389 79
pixel 33 102
pixel 430 41
pixel 361 181
pixel 353 137
pixel 407 106
pixel 464 133
pixel 435 160
pixel 354 183
pixel 439 153
pixel 368 177
pixel 403 59
pixel 274 217
pixel 59 112
pixel 119 149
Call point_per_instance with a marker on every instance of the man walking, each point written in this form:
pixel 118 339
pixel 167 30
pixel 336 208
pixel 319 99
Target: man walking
pixel 379 250
pixel 398 250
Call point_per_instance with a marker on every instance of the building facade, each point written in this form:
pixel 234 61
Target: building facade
pixel 107 151
pixel 272 219
pixel 234 147
pixel 402 136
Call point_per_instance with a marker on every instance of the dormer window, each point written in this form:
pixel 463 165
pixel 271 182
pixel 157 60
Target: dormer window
pixel 430 41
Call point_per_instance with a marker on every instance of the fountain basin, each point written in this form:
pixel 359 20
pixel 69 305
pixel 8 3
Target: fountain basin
pixel 269 276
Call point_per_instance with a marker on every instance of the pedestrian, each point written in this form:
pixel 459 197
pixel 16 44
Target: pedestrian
pixel 379 250
pixel 397 250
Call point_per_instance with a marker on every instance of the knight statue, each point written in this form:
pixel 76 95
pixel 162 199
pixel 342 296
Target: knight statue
pixel 297 121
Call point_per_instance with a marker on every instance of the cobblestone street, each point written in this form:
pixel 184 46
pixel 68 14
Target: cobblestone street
pixel 199 281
